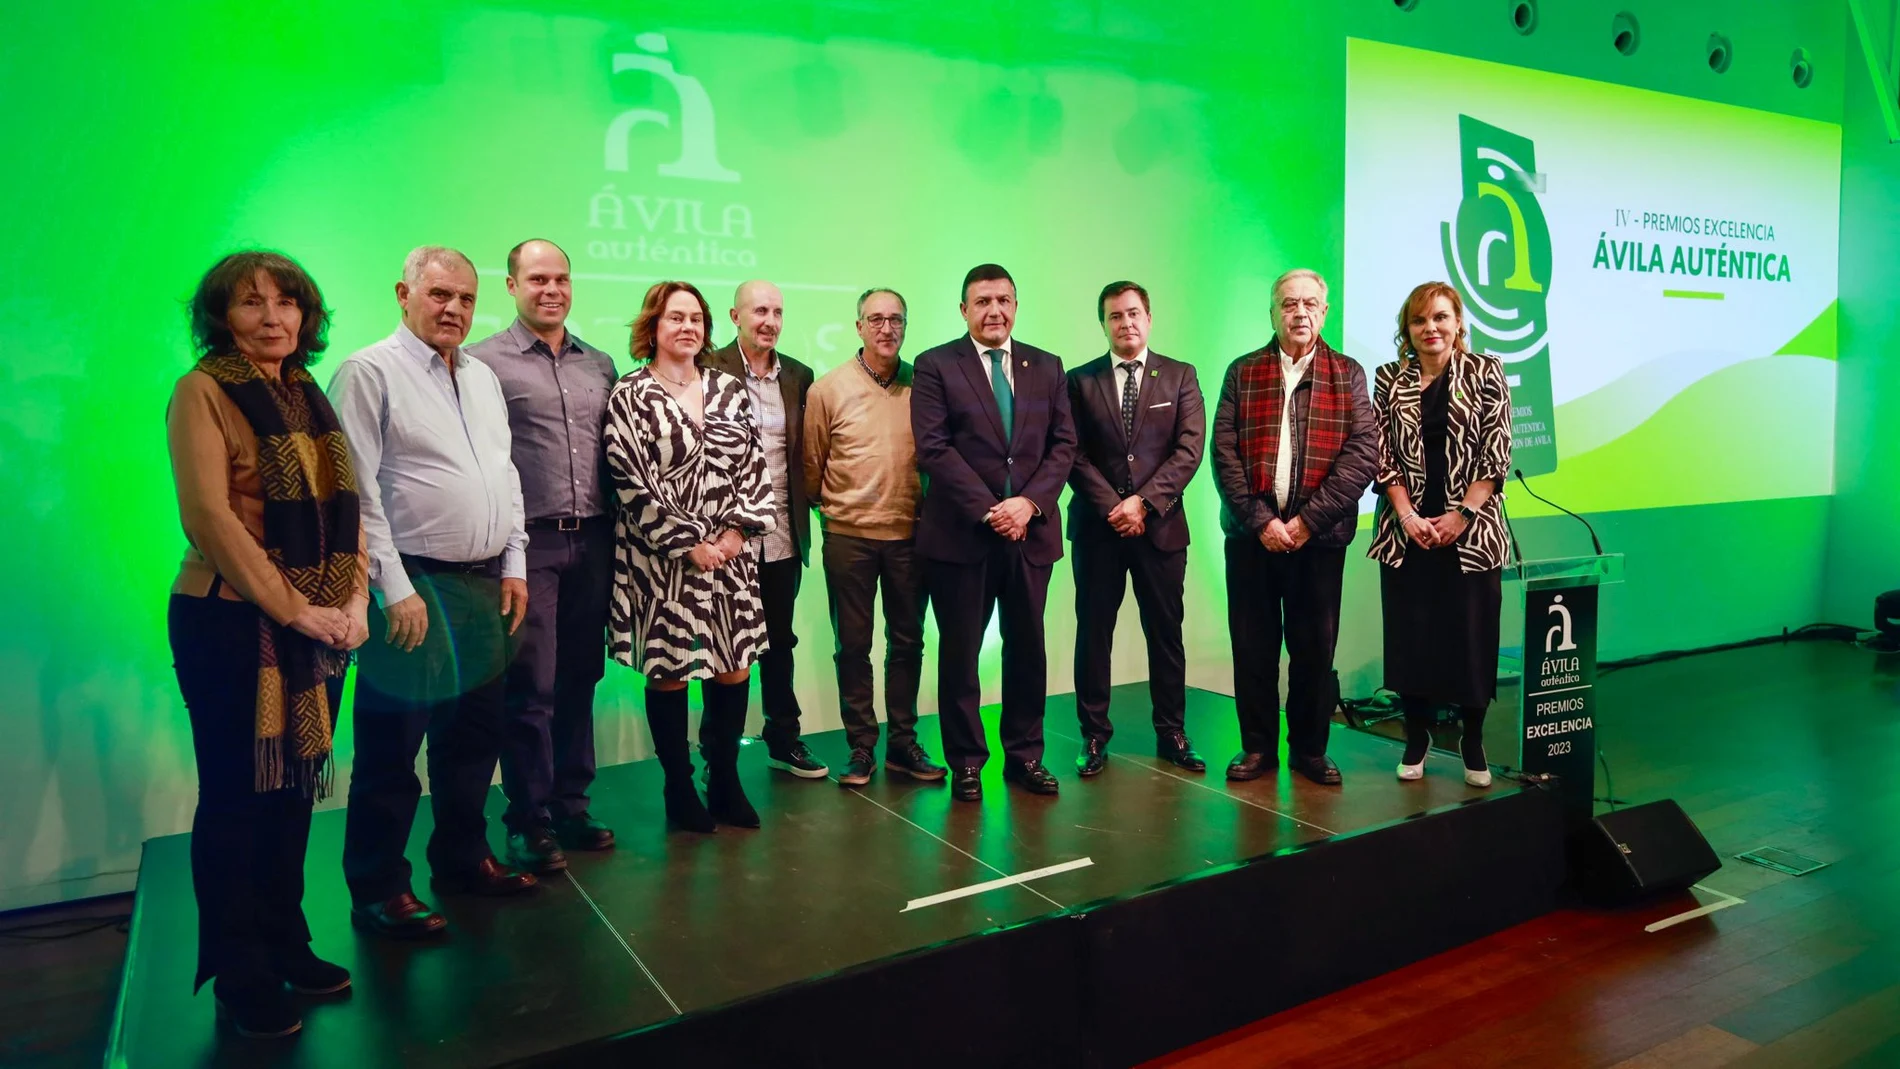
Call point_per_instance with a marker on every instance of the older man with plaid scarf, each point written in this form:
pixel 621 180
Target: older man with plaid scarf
pixel 1295 445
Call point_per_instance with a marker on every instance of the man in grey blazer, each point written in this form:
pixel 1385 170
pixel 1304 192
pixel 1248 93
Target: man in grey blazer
pixel 777 385
pixel 1141 426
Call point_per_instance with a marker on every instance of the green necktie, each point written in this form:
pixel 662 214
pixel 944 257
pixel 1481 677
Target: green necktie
pixel 1005 403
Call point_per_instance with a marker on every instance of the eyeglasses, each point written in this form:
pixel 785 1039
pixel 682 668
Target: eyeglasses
pixel 885 322
pixel 1294 304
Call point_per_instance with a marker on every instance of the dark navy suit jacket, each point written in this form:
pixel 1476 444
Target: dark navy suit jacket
pixel 1170 433
pixel 967 455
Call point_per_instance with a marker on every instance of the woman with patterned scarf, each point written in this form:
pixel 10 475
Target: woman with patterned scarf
pixel 269 601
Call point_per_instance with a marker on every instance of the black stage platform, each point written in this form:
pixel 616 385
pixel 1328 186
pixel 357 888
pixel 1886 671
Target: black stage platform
pixel 1180 906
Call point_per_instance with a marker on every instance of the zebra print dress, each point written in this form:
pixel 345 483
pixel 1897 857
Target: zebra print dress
pixel 680 483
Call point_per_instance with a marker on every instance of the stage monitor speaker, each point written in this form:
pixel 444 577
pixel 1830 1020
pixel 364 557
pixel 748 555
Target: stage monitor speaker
pixel 1633 853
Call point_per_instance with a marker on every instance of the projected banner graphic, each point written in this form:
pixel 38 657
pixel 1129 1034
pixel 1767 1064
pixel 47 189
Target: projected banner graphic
pixel 1657 273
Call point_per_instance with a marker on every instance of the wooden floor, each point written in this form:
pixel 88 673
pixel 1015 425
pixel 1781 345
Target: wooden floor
pixel 1796 747
pixel 1791 746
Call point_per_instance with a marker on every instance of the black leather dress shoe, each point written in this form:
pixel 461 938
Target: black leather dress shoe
pixel 402 917
pixel 1093 758
pixel 1247 765
pixel 535 849
pixel 914 761
pixel 256 1008
pixel 1179 752
pixel 307 974
pixel 1320 770
pixel 1031 776
pixel 489 879
pixel 582 832
pixel 966 784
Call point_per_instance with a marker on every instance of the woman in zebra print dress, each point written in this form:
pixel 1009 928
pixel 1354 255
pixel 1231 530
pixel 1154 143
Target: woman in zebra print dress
pixel 689 474
pixel 1444 451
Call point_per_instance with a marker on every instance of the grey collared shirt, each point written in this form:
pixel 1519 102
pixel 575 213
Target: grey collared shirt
pixel 433 473
pixel 557 406
pixel 768 414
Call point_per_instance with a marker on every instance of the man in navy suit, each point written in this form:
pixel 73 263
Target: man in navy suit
pixel 1142 426
pixel 995 442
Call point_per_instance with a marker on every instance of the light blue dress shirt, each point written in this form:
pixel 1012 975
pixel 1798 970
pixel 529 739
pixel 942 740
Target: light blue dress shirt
pixel 433 471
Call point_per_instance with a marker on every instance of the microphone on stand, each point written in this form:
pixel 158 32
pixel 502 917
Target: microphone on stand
pixel 1517 555
pixel 1595 543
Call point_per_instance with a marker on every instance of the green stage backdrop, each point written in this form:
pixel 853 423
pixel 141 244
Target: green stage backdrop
pixel 1201 148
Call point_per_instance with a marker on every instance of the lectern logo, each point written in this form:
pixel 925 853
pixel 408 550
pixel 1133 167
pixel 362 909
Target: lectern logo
pixel 699 147
pixel 1498 248
pixel 1562 628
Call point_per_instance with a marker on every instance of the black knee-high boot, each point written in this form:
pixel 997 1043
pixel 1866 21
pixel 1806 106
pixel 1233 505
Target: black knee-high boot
pixel 1418 729
pixel 1472 745
pixel 666 718
pixel 725 715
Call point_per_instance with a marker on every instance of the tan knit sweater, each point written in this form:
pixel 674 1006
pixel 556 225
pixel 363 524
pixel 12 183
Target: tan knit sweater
pixel 860 463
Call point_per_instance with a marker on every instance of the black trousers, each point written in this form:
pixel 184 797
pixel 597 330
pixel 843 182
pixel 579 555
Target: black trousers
pixel 963 596
pixel 247 847
pixel 1290 597
pixel 547 753
pixel 855 569
pixel 449 690
pixel 778 590
pixel 1102 570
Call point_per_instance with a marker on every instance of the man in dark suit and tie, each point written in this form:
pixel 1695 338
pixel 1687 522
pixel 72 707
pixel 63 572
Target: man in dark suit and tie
pixel 995 442
pixel 1141 426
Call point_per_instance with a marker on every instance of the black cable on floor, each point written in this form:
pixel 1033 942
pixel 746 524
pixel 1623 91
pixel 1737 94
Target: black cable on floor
pixel 27 932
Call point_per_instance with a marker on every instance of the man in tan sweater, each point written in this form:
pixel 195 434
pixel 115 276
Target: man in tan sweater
pixel 861 475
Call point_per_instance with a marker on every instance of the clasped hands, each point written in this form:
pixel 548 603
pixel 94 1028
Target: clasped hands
pixel 714 555
pixel 1130 517
pixel 340 629
pixel 1284 536
pixel 1436 531
pixel 1010 517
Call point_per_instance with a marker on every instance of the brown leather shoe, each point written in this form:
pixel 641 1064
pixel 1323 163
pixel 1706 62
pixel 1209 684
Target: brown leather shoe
pixel 1249 765
pixel 489 879
pixel 1320 770
pixel 402 917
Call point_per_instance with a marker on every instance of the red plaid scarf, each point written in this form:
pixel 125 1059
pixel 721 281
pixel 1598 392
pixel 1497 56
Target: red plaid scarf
pixel 1328 416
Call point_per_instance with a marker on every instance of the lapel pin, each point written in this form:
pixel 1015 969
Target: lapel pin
pixel 1154 374
pixel 1025 363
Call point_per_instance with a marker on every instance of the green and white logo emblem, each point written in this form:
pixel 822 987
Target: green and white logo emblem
pixel 1499 257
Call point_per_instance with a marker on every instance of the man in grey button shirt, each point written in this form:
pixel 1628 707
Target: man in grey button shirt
pixel 777 385
pixel 556 386
pixel 442 519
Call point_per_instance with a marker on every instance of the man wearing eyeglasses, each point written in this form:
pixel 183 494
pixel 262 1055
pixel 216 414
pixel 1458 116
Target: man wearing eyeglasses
pixel 1295 446
pixel 861 475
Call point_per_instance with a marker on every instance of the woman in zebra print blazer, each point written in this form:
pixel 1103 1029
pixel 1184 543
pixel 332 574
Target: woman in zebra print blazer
pixel 689 474
pixel 1444 450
